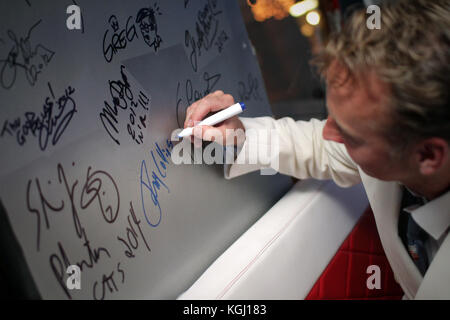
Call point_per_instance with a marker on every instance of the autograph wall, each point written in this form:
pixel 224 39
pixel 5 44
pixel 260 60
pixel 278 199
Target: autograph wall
pixel 86 118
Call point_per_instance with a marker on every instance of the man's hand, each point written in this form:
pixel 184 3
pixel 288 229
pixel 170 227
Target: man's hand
pixel 228 132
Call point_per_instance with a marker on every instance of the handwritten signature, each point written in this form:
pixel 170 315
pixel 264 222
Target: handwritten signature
pixel 250 89
pixel 48 125
pixel 206 30
pixel 98 188
pixel 152 183
pixel 131 241
pixel 192 94
pixel 123 98
pixel 146 21
pixel 108 282
pixel 23 55
pixel 119 38
pixel 94 188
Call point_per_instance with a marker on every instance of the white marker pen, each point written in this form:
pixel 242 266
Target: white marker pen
pixel 216 118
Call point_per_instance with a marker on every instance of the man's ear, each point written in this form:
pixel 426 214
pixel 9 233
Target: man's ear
pixel 432 154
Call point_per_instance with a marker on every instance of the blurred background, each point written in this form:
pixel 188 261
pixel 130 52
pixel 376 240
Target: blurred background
pixel 285 35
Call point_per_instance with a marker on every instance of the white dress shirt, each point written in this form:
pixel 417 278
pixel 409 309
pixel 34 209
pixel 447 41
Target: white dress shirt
pixel 434 218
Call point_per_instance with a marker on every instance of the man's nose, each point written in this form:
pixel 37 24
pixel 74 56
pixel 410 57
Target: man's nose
pixel 331 132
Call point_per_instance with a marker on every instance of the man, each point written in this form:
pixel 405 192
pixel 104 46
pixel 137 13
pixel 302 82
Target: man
pixel 388 127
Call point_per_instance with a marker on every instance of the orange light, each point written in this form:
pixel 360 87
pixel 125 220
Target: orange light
pixel 266 9
pixel 307 30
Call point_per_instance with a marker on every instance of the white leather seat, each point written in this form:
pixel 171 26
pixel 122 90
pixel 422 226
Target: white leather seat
pixel 283 254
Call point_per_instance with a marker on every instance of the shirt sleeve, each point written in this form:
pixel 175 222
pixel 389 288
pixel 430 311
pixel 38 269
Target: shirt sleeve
pixel 294 148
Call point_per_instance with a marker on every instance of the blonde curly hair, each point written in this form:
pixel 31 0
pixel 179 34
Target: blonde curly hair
pixel 411 54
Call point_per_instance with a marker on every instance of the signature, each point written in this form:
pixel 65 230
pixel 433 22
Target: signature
pixel 131 241
pixel 98 188
pixel 108 282
pixel 94 190
pixel 152 183
pixel 23 55
pixel 147 22
pixel 48 125
pixel 123 98
pixel 249 90
pixel 191 94
pixel 119 38
pixel 206 29
pixel 221 39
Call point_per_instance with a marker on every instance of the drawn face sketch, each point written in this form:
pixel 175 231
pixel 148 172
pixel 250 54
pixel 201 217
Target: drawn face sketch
pixel 149 29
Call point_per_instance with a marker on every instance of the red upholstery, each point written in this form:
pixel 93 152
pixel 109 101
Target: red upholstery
pixel 345 276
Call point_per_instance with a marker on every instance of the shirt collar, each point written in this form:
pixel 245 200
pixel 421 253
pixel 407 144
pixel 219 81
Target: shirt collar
pixel 433 216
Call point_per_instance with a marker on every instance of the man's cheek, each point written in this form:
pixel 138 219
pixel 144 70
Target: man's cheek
pixel 351 153
pixel 362 160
